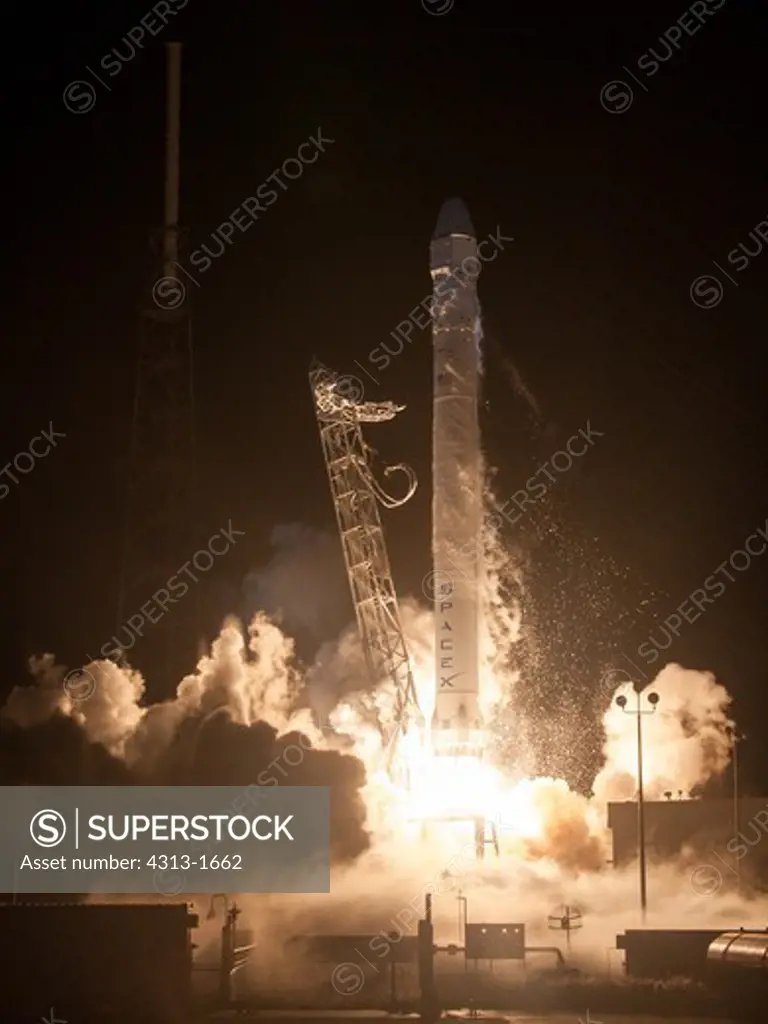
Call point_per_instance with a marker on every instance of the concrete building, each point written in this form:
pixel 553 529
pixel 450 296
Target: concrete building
pixel 98 962
pixel 711 835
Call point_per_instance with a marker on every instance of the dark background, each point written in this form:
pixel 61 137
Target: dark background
pixel 613 215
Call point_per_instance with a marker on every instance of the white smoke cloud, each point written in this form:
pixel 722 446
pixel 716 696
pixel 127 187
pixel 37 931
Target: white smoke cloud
pixel 102 698
pixel 686 741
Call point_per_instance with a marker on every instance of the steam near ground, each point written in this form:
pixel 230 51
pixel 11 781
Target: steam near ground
pixel 250 699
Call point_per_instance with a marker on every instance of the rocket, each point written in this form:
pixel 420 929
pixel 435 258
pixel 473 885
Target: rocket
pixel 457 481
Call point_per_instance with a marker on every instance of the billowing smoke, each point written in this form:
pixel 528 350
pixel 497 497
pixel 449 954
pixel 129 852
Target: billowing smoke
pixel 686 740
pixel 228 725
pixel 252 697
pixel 571 834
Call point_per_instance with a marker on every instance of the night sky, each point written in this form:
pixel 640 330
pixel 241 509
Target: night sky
pixel 617 203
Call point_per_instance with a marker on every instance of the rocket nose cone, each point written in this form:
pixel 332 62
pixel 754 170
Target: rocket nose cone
pixel 453 219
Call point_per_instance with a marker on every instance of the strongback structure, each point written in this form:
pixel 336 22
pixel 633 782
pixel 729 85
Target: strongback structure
pixel 356 496
pixel 160 536
pixel 457 481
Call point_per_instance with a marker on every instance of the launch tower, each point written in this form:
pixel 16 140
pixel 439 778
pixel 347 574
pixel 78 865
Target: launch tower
pixel 160 534
pixel 356 496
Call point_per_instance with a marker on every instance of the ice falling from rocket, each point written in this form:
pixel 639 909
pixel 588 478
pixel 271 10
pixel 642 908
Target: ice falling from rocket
pixel 456 482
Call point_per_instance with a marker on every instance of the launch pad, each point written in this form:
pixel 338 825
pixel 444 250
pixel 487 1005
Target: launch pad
pixel 485 831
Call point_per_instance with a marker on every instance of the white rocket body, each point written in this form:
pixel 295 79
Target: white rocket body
pixel 456 481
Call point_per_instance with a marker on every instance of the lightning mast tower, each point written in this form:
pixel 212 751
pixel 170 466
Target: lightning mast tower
pixel 356 496
pixel 160 536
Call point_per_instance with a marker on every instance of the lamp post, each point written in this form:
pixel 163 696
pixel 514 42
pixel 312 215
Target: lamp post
pixel 736 737
pixel 639 711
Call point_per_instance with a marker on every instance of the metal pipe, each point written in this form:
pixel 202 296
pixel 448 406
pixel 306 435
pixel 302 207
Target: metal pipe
pixel 641 812
pixel 548 949
pixel 430 1003
pixel 736 830
pixel 653 700
pixel 463 906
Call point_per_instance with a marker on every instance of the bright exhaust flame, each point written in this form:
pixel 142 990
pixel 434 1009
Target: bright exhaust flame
pixel 452 797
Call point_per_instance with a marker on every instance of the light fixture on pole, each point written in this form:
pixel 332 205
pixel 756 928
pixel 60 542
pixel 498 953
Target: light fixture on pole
pixel 736 737
pixel 639 711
